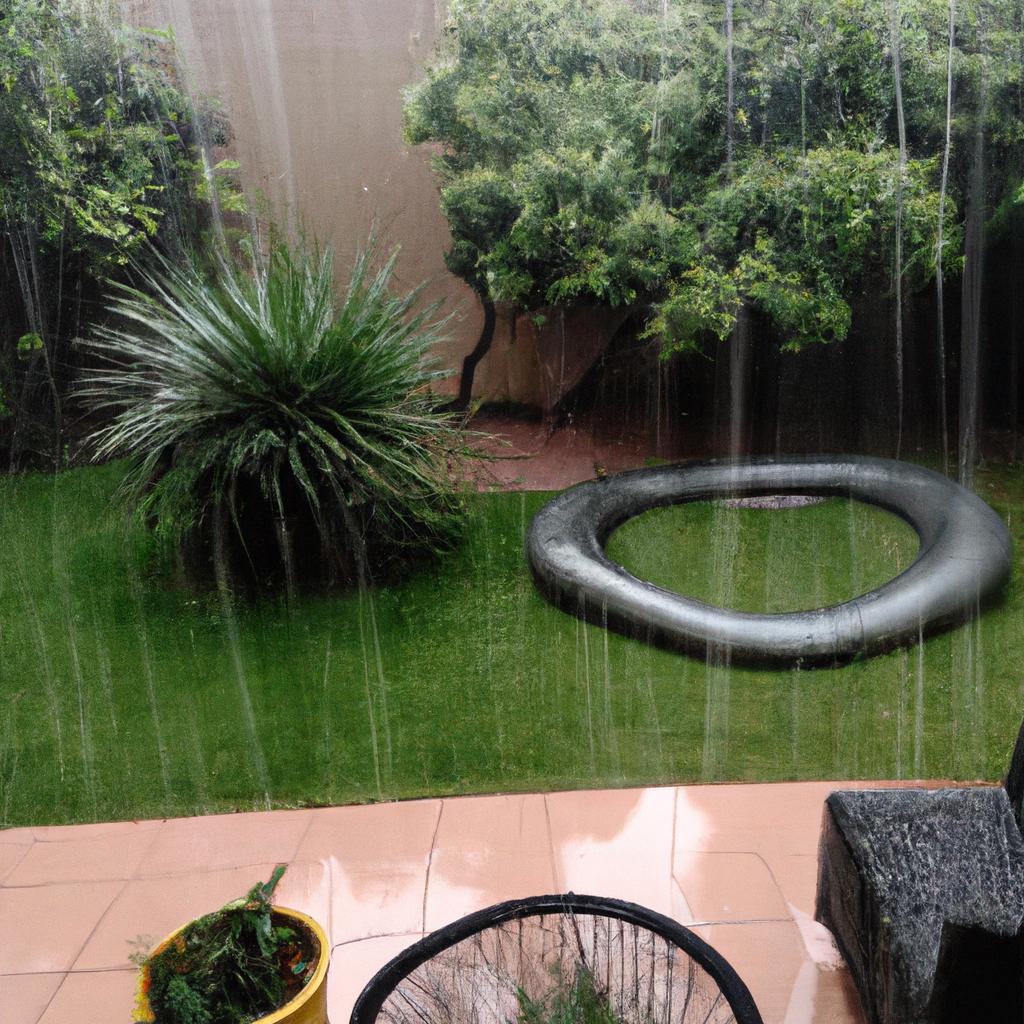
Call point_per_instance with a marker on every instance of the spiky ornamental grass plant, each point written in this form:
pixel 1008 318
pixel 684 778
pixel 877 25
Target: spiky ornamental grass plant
pixel 263 417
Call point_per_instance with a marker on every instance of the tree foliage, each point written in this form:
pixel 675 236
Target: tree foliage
pixel 581 149
pixel 98 156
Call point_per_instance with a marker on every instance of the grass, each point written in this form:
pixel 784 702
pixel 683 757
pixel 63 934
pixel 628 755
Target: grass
pixel 766 561
pixel 123 697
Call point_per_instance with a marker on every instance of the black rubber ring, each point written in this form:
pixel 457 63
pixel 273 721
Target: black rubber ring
pixel 964 559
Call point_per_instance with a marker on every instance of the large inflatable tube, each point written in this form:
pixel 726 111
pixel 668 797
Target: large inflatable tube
pixel 964 558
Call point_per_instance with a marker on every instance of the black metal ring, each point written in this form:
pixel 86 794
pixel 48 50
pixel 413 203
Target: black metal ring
pixel 384 982
pixel 964 558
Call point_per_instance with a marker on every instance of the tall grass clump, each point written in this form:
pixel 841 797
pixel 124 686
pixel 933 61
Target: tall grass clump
pixel 273 431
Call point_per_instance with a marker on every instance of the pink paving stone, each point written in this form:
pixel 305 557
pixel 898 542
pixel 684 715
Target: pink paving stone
pixel 768 957
pixel 772 818
pixel 488 849
pixel 788 987
pixel 819 944
pixel 353 965
pixel 12 854
pixel 306 886
pixel 101 858
pixel 98 830
pixel 362 871
pixel 16 836
pixel 780 817
pixel 729 887
pixel 823 996
pixel 796 875
pixel 377 856
pixel 51 923
pixel 149 909
pixel 23 997
pixel 110 994
pixel 596 833
pixel 225 840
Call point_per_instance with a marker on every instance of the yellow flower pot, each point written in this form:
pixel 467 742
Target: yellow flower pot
pixel 308 1007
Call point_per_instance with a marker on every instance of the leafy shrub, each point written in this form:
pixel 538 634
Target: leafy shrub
pixel 586 153
pixel 252 399
pixel 98 157
pixel 229 967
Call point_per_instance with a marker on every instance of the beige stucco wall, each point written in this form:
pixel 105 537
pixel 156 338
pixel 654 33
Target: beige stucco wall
pixel 312 89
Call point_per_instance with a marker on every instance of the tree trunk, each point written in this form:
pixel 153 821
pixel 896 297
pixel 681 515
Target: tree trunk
pixel 970 317
pixel 483 346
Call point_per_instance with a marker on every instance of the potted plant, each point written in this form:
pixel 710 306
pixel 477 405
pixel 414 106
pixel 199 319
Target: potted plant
pixel 248 963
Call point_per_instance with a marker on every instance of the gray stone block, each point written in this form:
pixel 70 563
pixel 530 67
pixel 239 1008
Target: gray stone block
pixel 924 893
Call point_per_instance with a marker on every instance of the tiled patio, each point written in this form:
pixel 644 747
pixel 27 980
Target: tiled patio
pixel 736 862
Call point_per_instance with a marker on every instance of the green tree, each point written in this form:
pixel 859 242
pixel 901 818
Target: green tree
pixel 98 157
pixel 583 153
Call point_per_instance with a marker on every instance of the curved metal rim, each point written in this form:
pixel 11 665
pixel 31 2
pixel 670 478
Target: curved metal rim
pixel 384 982
pixel 964 558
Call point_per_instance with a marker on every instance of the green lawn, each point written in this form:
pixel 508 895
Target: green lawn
pixel 122 697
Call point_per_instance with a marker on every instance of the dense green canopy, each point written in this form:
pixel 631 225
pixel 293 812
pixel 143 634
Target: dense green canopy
pixel 98 155
pixel 689 157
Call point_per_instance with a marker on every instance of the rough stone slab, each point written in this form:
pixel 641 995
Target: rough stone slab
pixel 919 886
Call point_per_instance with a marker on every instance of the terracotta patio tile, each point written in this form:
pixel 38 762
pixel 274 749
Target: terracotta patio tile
pixel 796 875
pixel 769 958
pixel 99 830
pixel 19 836
pixel 23 997
pixel 99 859
pixel 817 996
pixel 51 923
pixel 93 997
pixel 771 817
pixel 353 965
pixel 377 856
pixel 148 909
pixel 819 943
pixel 781 817
pixel 729 887
pixel 12 854
pixel 616 843
pixel 488 849
pixel 306 886
pixel 361 871
pixel 830 1000
pixel 692 820
pixel 225 841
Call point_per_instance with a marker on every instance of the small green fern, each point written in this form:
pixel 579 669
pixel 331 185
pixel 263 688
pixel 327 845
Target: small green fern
pixel 579 1001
